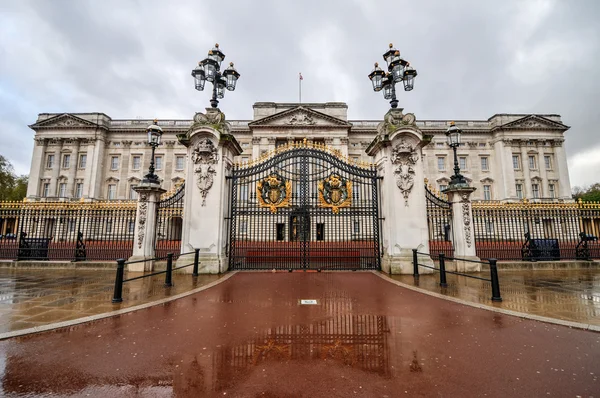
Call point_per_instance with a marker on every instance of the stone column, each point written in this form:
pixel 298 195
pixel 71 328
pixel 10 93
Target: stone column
pixel 528 194
pixel 56 168
pixel 462 228
pixel 97 164
pixel 73 169
pixel 398 154
pixel 145 226
pixel 211 149
pixel 37 166
pixel 564 183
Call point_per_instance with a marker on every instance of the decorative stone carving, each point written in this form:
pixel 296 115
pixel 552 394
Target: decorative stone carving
pixel 142 219
pixel 213 118
pixel 40 141
pixel 395 119
pixel 69 122
pixel 300 118
pixel 404 156
pixel 466 213
pixel 204 157
pixel 126 144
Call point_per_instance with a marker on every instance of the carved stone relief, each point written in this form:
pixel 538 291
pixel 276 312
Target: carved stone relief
pixel 300 118
pixel 466 213
pixel 404 157
pixel 142 219
pixel 205 157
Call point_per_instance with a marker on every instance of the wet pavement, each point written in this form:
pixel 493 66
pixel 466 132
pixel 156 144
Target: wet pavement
pixel 250 336
pixel 567 294
pixel 37 297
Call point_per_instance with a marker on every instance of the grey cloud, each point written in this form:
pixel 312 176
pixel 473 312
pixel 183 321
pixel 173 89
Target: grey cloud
pixel 133 58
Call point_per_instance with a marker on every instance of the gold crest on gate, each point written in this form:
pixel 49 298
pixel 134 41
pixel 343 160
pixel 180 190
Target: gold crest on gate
pixel 335 192
pixel 274 192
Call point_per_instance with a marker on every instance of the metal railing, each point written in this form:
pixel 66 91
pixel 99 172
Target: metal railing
pixel 442 270
pixel 119 279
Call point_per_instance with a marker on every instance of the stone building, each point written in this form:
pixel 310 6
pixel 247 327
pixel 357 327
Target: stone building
pixel 92 156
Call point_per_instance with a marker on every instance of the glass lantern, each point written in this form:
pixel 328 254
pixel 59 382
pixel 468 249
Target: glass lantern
pixel 397 69
pixel 389 55
pixel 154 133
pixel 231 76
pixel 199 78
pixel 376 77
pixel 210 69
pixel 453 135
pixel 221 83
pixel 409 78
pixel 388 87
pixel 216 55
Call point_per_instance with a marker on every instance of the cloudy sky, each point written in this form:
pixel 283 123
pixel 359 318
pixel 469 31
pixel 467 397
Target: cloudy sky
pixel 133 59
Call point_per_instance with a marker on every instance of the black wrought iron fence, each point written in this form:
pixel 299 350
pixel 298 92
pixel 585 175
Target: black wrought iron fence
pixel 495 283
pixel 170 223
pixel 537 231
pixel 67 230
pixel 439 222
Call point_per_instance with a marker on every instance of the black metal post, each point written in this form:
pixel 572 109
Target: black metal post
pixel 415 264
pixel 196 256
pixel 169 273
pixel 151 177
pixel 214 102
pixel 394 101
pixel 457 178
pixel 118 292
pixel 443 270
pixel 495 282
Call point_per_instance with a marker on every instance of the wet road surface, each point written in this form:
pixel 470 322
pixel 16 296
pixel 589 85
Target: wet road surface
pixel 250 337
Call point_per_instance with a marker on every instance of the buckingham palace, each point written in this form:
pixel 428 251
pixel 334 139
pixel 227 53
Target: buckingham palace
pixel 90 156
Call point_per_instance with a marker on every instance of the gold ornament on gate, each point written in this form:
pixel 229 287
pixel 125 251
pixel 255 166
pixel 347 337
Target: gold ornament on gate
pixel 274 192
pixel 335 193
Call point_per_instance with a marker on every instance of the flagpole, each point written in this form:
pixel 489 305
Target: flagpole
pixel 300 88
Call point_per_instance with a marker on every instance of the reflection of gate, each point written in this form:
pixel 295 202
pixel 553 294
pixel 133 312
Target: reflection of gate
pixel 304 208
pixel 439 222
pixel 170 223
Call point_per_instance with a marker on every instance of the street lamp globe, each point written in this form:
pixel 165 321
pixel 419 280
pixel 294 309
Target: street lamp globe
pixel 199 77
pixel 388 87
pixel 216 55
pixel 210 68
pixel 231 75
pixel 376 76
pixel 409 78
pixel 453 135
pixel 390 54
pixel 154 133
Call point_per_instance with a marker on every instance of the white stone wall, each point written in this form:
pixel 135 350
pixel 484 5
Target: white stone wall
pixel 100 138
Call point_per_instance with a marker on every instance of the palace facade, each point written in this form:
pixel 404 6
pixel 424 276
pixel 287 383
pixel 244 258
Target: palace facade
pixel 90 156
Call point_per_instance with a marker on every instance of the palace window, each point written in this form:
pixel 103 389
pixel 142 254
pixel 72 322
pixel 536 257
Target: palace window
pixel 244 192
pixel 441 161
pixel 50 161
pixel 356 227
pixel 516 162
pixel 82 160
pixel 136 162
pixel 519 191
pixel 548 162
pixel 179 162
pixel 62 190
pixel 535 189
pixel 79 190
pixel 109 226
pixel 132 192
pixel 131 227
pixel 489 227
pixel 158 163
pixel 532 162
pixel 243 226
pixel 66 161
pixel 484 163
pixel 112 191
pixel 487 192
pixel 552 190
pixel 114 162
pixel 462 160
pixel 280 142
pixel 46 190
pixel 443 187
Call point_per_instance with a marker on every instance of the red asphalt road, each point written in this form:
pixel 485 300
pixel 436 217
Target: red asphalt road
pixel 249 337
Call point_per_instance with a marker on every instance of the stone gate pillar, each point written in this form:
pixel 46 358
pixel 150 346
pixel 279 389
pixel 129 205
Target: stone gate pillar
pixel 397 149
pixel 462 227
pixel 211 149
pixel 145 226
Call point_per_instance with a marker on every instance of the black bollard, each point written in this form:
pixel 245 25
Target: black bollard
pixel 495 282
pixel 443 270
pixel 415 264
pixel 196 255
pixel 118 293
pixel 168 275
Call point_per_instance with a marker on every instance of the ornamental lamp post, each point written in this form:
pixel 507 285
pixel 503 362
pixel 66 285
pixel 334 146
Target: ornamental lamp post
pixel 453 136
pixel 209 69
pixel 399 70
pixel 154 133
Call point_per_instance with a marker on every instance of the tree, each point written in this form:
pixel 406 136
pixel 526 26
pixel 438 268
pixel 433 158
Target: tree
pixel 11 186
pixel 587 194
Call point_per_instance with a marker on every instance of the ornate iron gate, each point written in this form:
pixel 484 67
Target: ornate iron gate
pixel 439 222
pixel 304 208
pixel 170 222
